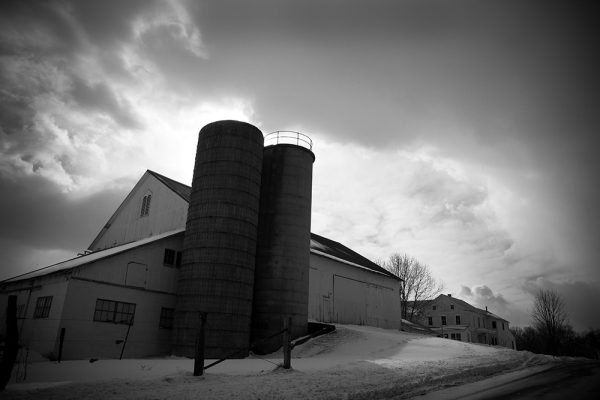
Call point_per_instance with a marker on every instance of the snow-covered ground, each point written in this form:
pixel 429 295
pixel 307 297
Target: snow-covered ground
pixel 353 362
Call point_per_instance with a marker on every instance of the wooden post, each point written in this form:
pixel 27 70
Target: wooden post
pixel 11 343
pixel 60 343
pixel 199 356
pixel 126 337
pixel 287 348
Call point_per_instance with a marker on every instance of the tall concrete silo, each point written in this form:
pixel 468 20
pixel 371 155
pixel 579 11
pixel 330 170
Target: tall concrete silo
pixel 217 271
pixel 282 256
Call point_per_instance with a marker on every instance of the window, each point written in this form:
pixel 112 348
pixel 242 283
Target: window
pixel 493 324
pixel 452 306
pixel 430 320
pixel 166 318
pixel 146 205
pixel 443 320
pixel 458 320
pixel 503 326
pixel 42 307
pixel 169 258
pixel 114 311
pixel 455 336
pixel 434 307
pixel 479 322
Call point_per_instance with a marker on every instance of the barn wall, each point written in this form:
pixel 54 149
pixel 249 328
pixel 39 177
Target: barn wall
pixel 346 294
pixel 140 267
pixel 37 334
pixel 86 338
pixel 168 211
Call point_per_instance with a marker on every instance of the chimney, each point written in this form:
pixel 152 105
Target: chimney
pixel 486 309
pixel 449 294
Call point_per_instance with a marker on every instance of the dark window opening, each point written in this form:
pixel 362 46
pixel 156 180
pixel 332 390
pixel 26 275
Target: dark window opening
pixel 114 311
pixel 169 258
pixel 430 320
pixel 166 318
pixel 42 307
pixel 493 324
pixel 443 320
pixel 452 306
pixel 455 336
pixel 434 307
pixel 458 320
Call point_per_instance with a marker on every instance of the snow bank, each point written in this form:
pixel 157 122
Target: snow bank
pixel 351 362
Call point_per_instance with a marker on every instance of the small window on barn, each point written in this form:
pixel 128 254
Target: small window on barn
pixel 166 318
pixel 443 320
pixel 169 258
pixel 42 307
pixel 458 320
pixel 145 210
pixel 116 312
pixel 430 320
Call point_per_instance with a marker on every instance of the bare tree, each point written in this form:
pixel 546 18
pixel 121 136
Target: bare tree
pixel 418 283
pixel 549 317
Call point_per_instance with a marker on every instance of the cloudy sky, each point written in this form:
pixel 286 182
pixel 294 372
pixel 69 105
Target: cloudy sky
pixel 463 133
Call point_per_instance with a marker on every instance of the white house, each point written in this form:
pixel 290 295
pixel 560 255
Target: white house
pixel 119 298
pixel 456 319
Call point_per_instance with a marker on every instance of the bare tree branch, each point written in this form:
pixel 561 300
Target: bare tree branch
pixel 418 283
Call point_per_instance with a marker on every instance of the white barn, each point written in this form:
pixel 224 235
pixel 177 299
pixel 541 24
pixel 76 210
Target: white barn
pixel 119 299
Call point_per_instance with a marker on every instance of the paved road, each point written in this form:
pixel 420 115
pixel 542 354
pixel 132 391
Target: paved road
pixel 573 381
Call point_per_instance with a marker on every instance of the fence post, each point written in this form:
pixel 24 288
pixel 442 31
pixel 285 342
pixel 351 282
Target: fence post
pixel 199 356
pixel 11 344
pixel 61 343
pixel 287 350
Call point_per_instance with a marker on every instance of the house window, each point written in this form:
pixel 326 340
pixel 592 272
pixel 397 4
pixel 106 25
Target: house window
pixel 452 306
pixel 455 336
pixel 479 322
pixel 430 320
pixel 114 311
pixel 458 320
pixel 434 307
pixel 443 320
pixel 42 307
pixel 493 324
pixel 166 318
pixel 169 258
pixel 146 205
pixel 503 326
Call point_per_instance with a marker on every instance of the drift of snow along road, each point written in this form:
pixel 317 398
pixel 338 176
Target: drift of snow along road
pixel 353 362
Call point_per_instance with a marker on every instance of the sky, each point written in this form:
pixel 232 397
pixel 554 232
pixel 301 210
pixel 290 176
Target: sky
pixel 462 133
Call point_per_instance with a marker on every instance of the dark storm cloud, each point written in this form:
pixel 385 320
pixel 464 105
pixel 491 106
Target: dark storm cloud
pixel 39 214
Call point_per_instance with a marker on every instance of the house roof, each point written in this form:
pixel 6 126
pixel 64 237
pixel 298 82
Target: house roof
pixel 471 307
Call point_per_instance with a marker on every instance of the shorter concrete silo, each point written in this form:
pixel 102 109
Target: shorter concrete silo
pixel 217 272
pixel 283 250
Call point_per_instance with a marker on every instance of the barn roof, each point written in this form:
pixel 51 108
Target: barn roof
pixel 319 245
pixel 89 257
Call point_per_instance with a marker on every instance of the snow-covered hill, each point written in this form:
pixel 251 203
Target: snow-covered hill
pixel 353 362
